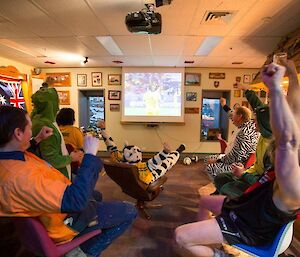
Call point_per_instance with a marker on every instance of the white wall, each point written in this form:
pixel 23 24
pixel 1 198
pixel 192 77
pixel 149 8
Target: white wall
pixel 151 139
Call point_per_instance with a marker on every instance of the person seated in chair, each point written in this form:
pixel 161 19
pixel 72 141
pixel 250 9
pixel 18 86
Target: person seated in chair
pixel 256 217
pixel 33 188
pixel 236 182
pixel 72 135
pixel 245 142
pixel 149 171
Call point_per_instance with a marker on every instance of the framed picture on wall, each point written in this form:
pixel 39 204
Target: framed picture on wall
pixel 114 95
pixel 62 79
pixel 191 110
pixel 64 97
pixel 192 79
pixel 237 93
pixel 246 79
pixel 96 79
pixel 191 96
pixel 114 79
pixel 81 80
pixel 114 107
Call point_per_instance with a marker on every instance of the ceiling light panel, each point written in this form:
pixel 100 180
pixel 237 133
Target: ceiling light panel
pixel 207 45
pixel 110 45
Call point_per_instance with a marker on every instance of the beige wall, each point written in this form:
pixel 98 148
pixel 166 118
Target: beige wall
pixel 151 139
pixel 23 68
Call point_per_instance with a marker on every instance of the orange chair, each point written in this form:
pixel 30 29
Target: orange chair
pixel 127 177
pixel 250 161
pixel 35 238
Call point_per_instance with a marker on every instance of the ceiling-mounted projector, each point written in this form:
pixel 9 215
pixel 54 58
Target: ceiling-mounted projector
pixel 145 21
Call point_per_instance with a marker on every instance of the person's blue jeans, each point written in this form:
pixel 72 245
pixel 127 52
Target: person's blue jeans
pixel 114 218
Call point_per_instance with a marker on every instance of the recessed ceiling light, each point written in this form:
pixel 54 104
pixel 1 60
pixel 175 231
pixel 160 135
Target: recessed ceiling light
pixel 237 63
pixel 110 45
pixel 207 45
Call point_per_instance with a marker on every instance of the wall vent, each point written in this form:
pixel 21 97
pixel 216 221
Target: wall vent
pixel 217 17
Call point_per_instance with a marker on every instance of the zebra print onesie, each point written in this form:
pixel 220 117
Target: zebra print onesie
pixel 244 144
pixel 149 171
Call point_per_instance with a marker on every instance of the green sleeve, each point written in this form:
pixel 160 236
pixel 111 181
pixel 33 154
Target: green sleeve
pixel 253 99
pixel 50 148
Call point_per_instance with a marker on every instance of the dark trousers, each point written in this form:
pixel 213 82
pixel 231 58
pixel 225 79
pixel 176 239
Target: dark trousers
pixel 114 218
pixel 232 186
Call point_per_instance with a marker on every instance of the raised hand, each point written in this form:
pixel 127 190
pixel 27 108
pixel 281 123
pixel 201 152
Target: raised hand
pixel 237 169
pixel 289 65
pixel 272 75
pixel 101 124
pixel 91 145
pixel 242 86
pixel 76 156
pixel 222 101
pixel 43 134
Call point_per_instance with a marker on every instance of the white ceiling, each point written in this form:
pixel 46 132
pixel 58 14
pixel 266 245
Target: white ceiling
pixel 52 30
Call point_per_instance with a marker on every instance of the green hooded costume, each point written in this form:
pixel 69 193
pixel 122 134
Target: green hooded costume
pixel 52 149
pixel 232 186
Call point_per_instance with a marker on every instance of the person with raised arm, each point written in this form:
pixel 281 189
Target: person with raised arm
pixel 276 201
pixel 33 188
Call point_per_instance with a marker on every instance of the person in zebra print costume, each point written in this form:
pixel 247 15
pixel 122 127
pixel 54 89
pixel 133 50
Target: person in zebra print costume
pixel 149 171
pixel 244 144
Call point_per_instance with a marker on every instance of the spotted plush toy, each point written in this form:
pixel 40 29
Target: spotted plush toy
pixel 149 171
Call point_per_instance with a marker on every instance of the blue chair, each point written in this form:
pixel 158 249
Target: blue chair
pixel 279 245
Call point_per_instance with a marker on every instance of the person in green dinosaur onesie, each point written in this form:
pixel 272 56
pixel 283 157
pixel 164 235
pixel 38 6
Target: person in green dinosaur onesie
pixel 234 184
pixel 53 149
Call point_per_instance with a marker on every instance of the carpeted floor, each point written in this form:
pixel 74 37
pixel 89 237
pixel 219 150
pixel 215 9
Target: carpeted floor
pixel 180 198
pixel 152 238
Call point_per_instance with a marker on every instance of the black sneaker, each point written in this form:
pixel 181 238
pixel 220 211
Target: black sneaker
pixel 181 148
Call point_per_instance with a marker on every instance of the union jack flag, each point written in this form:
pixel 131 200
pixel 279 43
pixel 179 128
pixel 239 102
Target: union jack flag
pixel 11 93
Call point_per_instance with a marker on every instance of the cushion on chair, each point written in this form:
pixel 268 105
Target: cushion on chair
pixel 35 238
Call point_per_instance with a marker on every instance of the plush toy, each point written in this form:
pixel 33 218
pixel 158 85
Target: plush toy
pixel 149 171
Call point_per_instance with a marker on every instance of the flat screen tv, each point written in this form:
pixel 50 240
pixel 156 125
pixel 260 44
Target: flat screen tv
pixel 153 95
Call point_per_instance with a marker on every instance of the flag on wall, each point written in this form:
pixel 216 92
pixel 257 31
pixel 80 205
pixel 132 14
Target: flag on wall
pixel 11 93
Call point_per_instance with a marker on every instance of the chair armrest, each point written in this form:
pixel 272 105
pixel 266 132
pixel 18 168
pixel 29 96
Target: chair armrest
pixel 157 183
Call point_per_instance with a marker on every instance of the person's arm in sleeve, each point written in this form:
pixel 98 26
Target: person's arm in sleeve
pixel 50 148
pixel 240 149
pixel 77 194
pixel 253 99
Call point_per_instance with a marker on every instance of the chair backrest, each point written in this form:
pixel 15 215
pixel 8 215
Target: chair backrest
pixel 281 242
pixel 34 237
pixel 74 165
pixel 223 144
pixel 127 177
pixel 250 161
